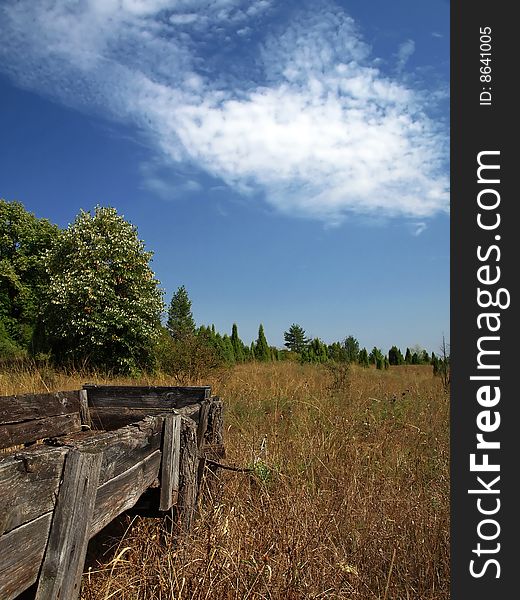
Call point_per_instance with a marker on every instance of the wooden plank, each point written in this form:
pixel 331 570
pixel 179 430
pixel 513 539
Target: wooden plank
pixel 122 492
pixel 26 407
pixel 116 417
pixel 203 422
pixel 86 421
pixel 187 474
pixel 62 566
pixel 122 448
pixel 12 434
pixel 21 553
pixel 171 448
pixel 145 396
pixel 29 481
pixel 213 436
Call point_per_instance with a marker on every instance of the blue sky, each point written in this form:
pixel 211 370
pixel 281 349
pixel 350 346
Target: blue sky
pixel 286 161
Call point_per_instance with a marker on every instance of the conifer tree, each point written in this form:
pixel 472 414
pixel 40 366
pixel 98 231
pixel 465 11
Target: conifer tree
pixel 395 356
pixel 352 349
pixel 238 346
pixel 375 353
pixel 408 357
pixel 363 358
pixel 180 322
pixel 295 339
pixel 262 351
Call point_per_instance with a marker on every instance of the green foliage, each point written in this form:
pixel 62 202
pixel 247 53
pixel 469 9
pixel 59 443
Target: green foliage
pixel 363 358
pixel 261 348
pixel 408 357
pixel 295 339
pixel 238 345
pixel 103 302
pixel 274 353
pixel 351 346
pixel 315 352
pixel 395 356
pixel 8 348
pixel 24 240
pixel 337 352
pixel 375 355
pixel 187 360
pixel 180 322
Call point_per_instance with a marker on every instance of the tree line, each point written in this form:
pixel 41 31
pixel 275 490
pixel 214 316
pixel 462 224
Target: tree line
pixel 87 297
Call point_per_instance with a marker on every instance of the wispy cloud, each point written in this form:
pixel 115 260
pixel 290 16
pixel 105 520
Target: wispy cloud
pixel 302 117
pixel 404 53
pixel 418 228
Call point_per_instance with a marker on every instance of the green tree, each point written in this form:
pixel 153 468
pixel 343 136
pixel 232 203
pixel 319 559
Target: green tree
pixel 408 357
pixel 336 352
pixel 351 346
pixel 395 356
pixel 180 322
pixel 103 302
pixel 363 358
pixel 316 352
pixel 24 240
pixel 295 339
pixel 375 355
pixel 262 350
pixel 238 346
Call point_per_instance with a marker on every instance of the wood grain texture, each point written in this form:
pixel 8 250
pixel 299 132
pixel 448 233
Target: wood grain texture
pixel 187 474
pixel 62 567
pixel 29 481
pixel 202 425
pixel 114 417
pixel 170 462
pixel 122 492
pixel 21 553
pixel 145 396
pixel 12 434
pixel 122 448
pixel 14 409
pixel 84 411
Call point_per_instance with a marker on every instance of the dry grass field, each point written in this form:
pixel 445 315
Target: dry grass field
pixel 349 497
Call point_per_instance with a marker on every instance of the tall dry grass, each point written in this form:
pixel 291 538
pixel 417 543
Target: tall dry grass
pixel 349 498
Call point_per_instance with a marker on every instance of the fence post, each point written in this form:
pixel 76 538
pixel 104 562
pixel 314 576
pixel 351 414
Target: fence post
pixel 62 566
pixel 187 473
pixel 171 447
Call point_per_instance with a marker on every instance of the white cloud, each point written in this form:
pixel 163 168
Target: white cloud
pixel 406 50
pixel 313 125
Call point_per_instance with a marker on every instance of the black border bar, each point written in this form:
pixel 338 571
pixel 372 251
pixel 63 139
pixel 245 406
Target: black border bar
pixel 484 127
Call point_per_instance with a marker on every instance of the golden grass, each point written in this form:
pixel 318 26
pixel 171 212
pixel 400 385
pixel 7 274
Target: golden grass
pixel 350 500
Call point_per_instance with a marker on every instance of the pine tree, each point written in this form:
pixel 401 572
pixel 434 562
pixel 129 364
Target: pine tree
pixel 374 355
pixel 363 358
pixel 395 356
pixel 262 351
pixel 180 322
pixel 351 346
pixel 408 357
pixel 337 352
pixel 295 338
pixel 238 346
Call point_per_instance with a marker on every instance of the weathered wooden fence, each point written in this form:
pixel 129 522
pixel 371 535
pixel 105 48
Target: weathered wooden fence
pixel 104 450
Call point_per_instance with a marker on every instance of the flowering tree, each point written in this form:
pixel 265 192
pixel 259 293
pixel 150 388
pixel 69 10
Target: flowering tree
pixel 103 302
